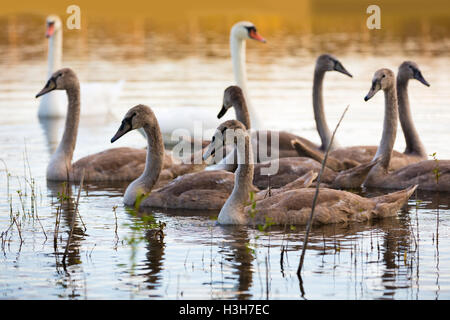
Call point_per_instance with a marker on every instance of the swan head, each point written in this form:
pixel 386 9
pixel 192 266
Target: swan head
pixel 231 97
pixel 136 118
pixel 383 79
pixel 410 70
pixel 53 25
pixel 244 30
pixel 60 80
pixel 227 133
pixel 328 62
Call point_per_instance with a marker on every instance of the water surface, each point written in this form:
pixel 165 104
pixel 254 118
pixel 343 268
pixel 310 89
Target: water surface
pixel 114 255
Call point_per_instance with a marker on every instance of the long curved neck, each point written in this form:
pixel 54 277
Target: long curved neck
pixel 389 128
pixel 61 161
pixel 241 110
pixel 233 210
pixel 155 156
pixel 54 59
pixel 153 165
pixel 319 113
pixel 413 143
pixel 237 47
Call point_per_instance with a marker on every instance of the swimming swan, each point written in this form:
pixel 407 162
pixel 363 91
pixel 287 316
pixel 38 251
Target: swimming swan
pixel 97 97
pixel 344 158
pixel 234 98
pixel 294 206
pixel 203 190
pixel 117 164
pixel 429 174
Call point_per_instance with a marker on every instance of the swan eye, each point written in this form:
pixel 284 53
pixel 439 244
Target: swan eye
pixel 250 29
pixel 127 121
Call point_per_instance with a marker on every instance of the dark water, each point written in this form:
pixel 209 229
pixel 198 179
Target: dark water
pixel 116 255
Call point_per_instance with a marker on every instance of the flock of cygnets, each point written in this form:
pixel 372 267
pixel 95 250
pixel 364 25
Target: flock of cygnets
pixel 241 192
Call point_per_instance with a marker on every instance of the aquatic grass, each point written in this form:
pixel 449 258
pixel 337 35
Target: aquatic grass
pixel 62 197
pixel 18 225
pixel 26 212
pixel 436 171
pixel 310 220
pixel 116 226
pixel 4 235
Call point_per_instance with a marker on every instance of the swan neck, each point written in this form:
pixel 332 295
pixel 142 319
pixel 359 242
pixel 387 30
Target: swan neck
pixel 241 110
pixel 237 47
pixel 238 56
pixel 233 210
pixel 389 128
pixel 153 163
pixel 62 158
pixel 55 46
pixel 413 143
pixel 319 113
pixel 155 156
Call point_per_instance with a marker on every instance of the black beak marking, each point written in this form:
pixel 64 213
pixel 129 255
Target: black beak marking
pixel 122 131
pixel 222 112
pixel 418 76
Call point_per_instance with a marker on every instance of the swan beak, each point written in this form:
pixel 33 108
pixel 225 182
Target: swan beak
pixel 222 112
pixel 49 86
pixel 340 68
pixel 374 89
pixel 370 94
pixel 418 76
pixel 256 36
pixel 124 128
pixel 50 30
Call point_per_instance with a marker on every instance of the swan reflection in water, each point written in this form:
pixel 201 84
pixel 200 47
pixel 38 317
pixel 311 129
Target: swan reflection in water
pixel 237 267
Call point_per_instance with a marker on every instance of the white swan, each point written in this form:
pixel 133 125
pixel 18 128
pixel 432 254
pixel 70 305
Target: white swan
pixel 97 97
pixel 239 33
pixel 206 117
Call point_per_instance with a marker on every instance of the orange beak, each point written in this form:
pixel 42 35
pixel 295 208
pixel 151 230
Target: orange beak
pixel 50 30
pixel 256 36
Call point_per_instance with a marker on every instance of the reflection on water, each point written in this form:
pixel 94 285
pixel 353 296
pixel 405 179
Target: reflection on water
pixel 115 254
pixel 400 258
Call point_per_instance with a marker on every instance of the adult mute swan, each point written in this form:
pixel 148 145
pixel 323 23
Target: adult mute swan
pixel 429 174
pixel 97 97
pixel 206 117
pixel 118 164
pixel 293 206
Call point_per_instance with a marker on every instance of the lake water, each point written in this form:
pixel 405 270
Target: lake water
pixel 114 254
